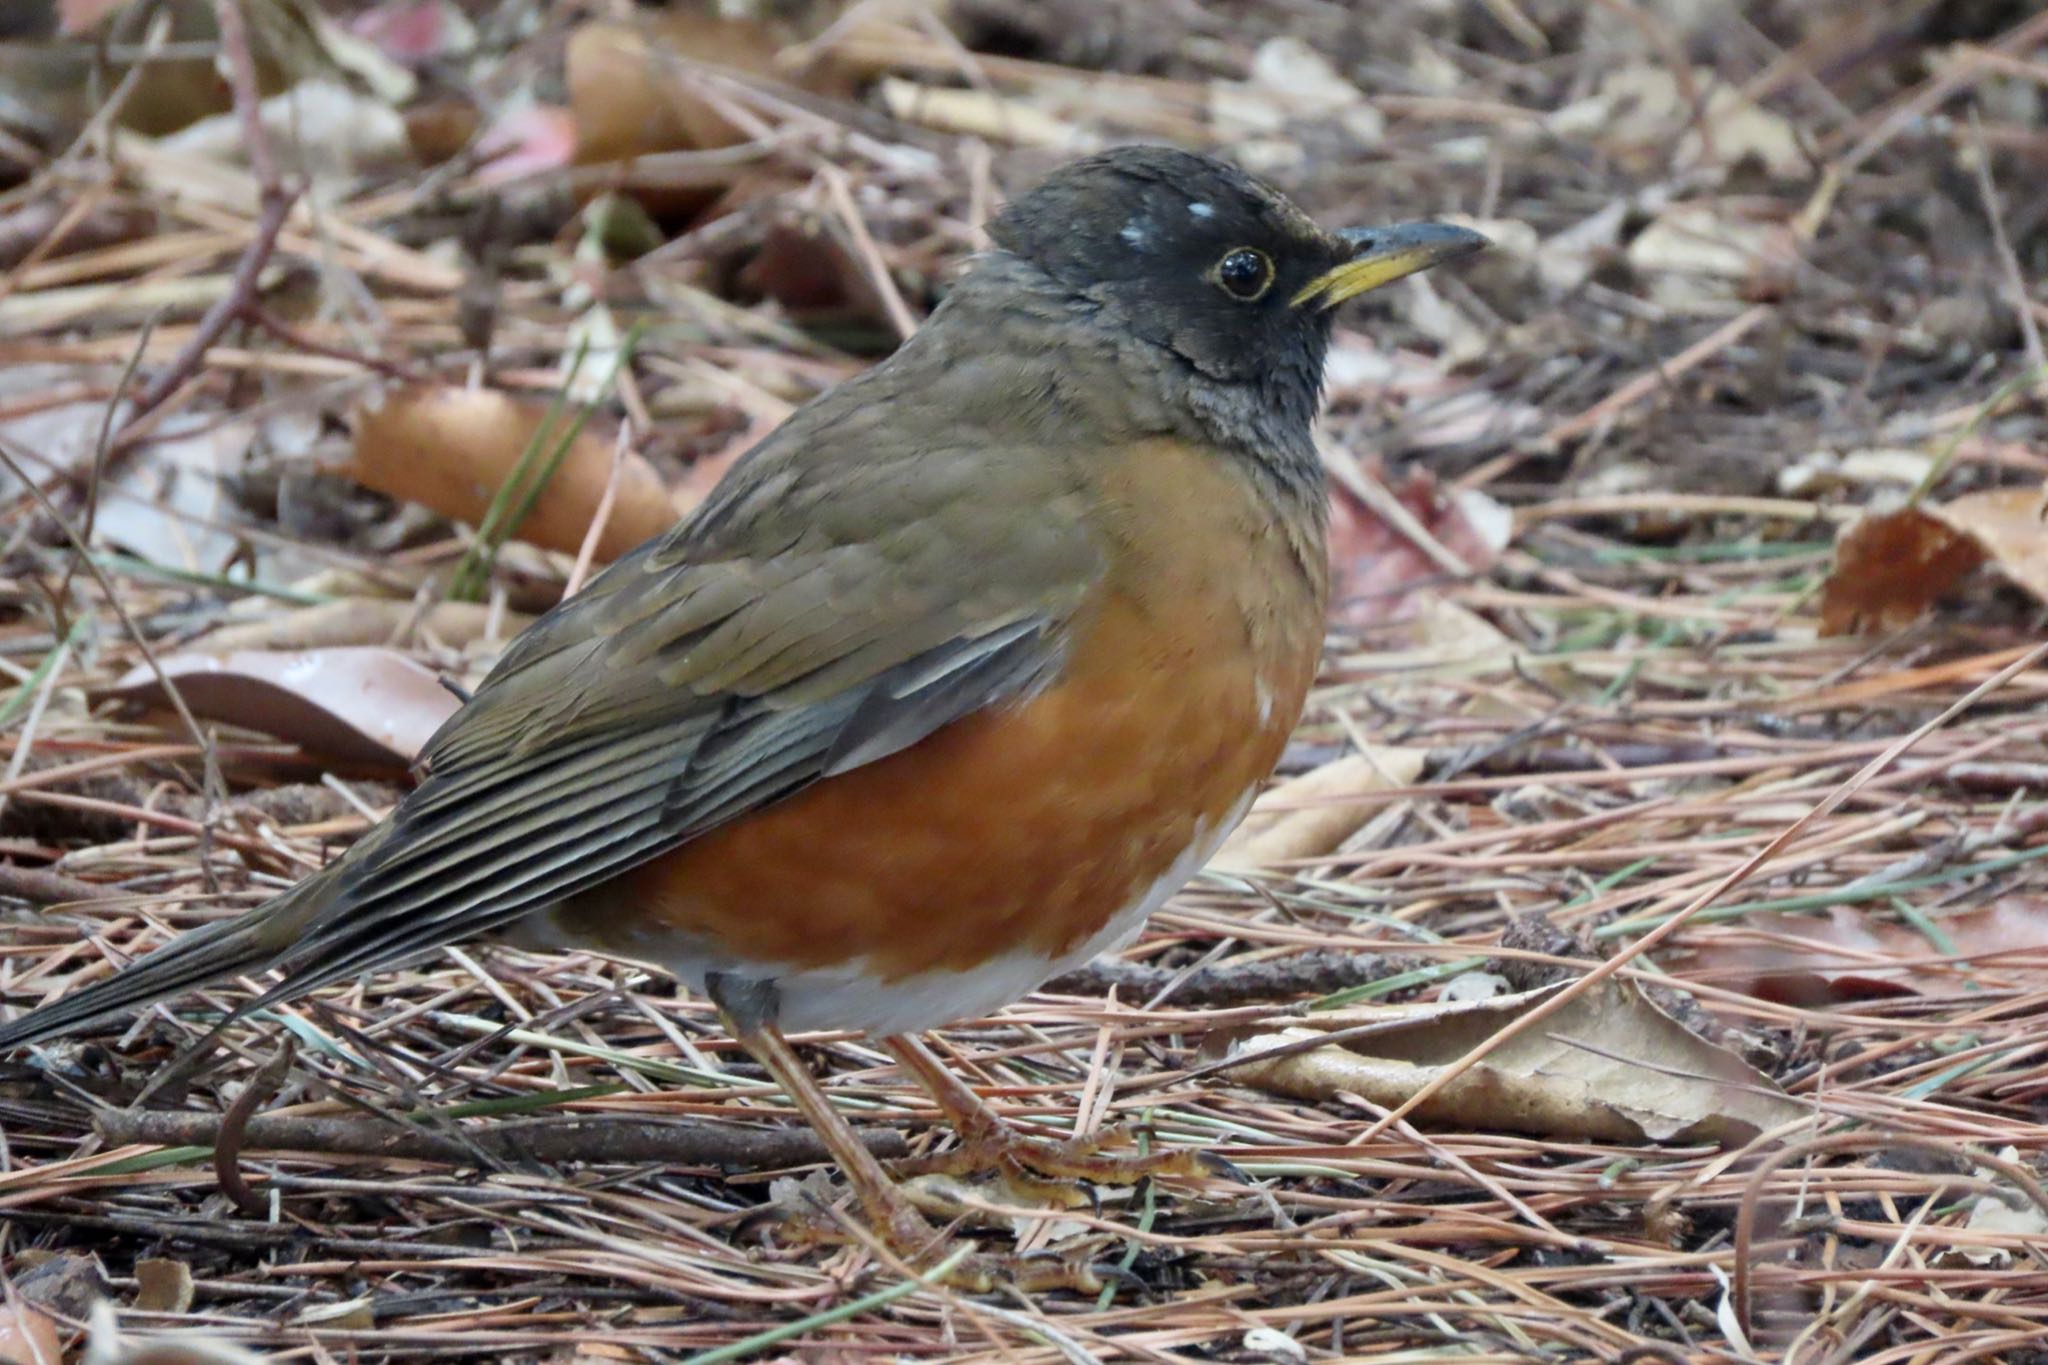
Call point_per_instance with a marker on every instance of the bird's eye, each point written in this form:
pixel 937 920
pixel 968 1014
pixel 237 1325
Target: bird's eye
pixel 1245 272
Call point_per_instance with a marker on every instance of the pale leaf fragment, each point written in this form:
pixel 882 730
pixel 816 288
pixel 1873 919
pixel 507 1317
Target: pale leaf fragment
pixel 1608 1067
pixel 1316 812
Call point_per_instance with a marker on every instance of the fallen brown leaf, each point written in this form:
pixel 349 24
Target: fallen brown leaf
pixel 1890 567
pixel 1853 955
pixel 371 706
pixel 1608 1067
pixel 451 449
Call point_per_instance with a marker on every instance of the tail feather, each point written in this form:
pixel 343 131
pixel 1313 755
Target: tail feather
pixel 204 955
pixel 251 942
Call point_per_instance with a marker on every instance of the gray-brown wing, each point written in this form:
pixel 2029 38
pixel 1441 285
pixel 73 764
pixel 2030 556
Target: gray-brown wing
pixel 706 675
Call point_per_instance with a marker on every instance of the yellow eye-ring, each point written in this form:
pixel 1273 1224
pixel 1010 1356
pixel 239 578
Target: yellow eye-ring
pixel 1245 273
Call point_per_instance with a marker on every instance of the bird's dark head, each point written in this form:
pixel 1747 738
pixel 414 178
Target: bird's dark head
pixel 1228 280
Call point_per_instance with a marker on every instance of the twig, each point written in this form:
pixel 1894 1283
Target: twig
pixel 1232 983
pixel 227 1150
pixel 872 264
pixel 599 1140
pixel 2008 263
pixel 39 887
pixel 284 331
pixel 587 551
pixel 274 205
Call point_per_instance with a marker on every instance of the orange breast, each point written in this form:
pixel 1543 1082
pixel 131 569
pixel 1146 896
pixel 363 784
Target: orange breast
pixel 1028 827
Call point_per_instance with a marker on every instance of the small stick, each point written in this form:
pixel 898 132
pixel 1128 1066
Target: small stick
pixel 598 1140
pixel 227 1148
pixel 39 887
pixel 587 551
pixel 274 204
pixel 2009 264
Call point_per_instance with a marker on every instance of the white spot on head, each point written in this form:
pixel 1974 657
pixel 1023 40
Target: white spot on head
pixel 1201 210
pixel 1134 233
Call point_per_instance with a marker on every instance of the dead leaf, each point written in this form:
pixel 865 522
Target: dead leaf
pixel 162 1285
pixel 1699 254
pixel 1890 567
pixel 1290 81
pixel 2011 524
pixel 1608 1067
pixel 364 621
pixel 1640 108
pixel 2008 1213
pixel 65 1284
pixel 1824 470
pixel 1852 954
pixel 451 449
pixel 652 85
pixel 1316 812
pixel 415 33
pixel 805 267
pixel 1376 567
pixel 539 137
pixel 29 1337
pixel 370 706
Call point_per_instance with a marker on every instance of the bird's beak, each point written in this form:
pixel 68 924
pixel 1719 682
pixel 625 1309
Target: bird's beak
pixel 1383 255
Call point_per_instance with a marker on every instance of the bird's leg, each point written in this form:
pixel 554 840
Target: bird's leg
pixel 990 1143
pixel 748 1011
pixel 880 1200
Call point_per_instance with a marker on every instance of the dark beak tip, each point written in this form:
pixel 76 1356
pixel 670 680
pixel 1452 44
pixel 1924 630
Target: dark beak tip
pixel 1443 241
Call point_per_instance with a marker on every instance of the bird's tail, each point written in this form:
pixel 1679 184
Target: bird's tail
pixel 214 952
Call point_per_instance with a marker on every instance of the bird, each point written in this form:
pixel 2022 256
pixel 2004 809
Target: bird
pixel 949 683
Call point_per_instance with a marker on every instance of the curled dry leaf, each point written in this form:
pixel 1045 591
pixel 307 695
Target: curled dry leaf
pixel 370 706
pixel 1608 1067
pixel 1890 567
pixel 1315 813
pixel 452 449
pixel 1853 955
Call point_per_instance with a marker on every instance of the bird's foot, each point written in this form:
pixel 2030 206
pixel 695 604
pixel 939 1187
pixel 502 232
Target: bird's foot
pixel 932 1252
pixel 1110 1158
